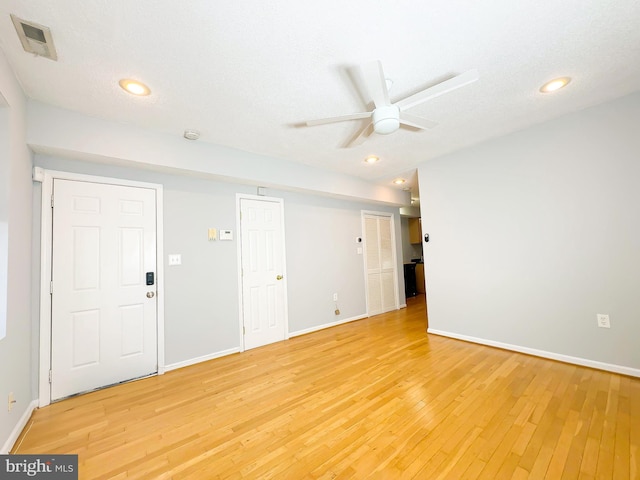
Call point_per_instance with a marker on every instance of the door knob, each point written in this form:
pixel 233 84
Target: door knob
pixel 279 277
pixel 150 294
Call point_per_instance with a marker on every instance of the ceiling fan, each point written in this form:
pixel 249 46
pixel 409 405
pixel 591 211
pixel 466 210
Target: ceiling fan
pixel 386 117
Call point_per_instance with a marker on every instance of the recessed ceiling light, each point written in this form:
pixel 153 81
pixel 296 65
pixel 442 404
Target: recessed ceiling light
pixel 372 159
pixel 555 84
pixel 134 87
pixel 399 181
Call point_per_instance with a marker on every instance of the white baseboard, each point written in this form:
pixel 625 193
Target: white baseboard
pixel 326 325
pixel 204 358
pixel 17 430
pixel 584 362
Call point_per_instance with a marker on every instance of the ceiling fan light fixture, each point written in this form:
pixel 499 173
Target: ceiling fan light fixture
pixel 555 84
pixel 386 119
pixel 134 87
pixel 386 126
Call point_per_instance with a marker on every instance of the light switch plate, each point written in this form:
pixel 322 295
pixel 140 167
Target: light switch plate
pixel 226 235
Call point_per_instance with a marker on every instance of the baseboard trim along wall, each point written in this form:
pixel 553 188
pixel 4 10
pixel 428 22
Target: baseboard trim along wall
pixel 17 430
pixel 632 372
pixel 326 325
pixel 203 358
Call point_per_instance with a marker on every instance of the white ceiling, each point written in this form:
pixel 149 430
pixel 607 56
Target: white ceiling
pixel 247 73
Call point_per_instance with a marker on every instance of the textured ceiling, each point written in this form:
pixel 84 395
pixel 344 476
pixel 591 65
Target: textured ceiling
pixel 247 73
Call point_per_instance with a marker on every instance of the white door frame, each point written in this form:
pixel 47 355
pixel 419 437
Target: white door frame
pixel 262 198
pixel 46 234
pixel 395 256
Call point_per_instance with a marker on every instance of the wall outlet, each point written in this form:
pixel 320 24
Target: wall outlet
pixel 603 320
pixel 10 402
pixel 335 297
pixel 175 259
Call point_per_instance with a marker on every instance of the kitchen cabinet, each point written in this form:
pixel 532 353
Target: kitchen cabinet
pixel 415 230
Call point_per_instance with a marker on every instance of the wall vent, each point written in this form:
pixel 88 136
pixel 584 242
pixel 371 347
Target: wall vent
pixel 35 38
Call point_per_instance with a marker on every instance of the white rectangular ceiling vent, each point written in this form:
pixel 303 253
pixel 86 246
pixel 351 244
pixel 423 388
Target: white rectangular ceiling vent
pixel 35 38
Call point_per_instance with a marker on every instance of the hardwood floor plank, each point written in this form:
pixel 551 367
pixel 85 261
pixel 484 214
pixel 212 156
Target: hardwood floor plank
pixel 634 429
pixel 372 399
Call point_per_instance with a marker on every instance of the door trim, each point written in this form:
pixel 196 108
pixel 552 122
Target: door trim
pixel 280 201
pixel 46 235
pixel 363 214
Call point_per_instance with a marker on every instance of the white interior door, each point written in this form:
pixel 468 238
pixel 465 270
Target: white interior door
pixel 104 315
pixel 262 261
pixel 380 263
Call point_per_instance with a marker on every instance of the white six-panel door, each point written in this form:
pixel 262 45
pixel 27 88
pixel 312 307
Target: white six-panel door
pixel 262 262
pixel 104 325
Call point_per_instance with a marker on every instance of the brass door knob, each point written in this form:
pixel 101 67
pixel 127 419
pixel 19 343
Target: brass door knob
pixel 279 277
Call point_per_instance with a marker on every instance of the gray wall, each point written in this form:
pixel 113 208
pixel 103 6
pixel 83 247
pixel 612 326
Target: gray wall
pixel 4 212
pixel 201 295
pixel 322 259
pixel 535 233
pixel 15 352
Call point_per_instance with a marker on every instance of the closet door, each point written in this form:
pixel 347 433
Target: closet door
pixel 380 263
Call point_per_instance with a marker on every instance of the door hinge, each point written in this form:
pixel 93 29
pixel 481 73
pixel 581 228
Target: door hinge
pixel 49 376
pixel 51 201
pixel 244 332
pixel 51 287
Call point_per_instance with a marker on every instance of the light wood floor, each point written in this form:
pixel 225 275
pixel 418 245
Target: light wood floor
pixel 376 398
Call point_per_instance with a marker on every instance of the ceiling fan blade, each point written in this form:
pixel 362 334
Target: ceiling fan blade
pixel 361 136
pixel 439 89
pixel 375 83
pixel 415 121
pixel 341 118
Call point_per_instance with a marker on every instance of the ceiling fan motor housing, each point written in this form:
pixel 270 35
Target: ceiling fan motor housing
pixel 386 119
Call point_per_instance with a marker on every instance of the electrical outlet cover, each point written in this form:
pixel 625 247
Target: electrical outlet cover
pixel 603 320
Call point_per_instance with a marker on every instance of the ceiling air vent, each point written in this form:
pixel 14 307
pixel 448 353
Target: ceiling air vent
pixel 35 38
